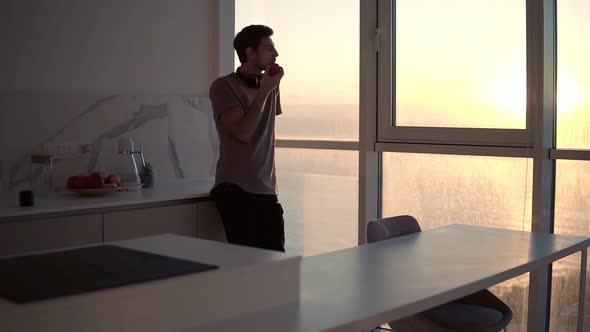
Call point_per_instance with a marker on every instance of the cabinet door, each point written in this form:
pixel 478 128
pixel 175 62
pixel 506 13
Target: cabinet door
pixel 209 222
pixel 49 234
pixel 176 219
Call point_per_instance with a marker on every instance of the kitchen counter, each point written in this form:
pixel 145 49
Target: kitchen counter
pixel 71 204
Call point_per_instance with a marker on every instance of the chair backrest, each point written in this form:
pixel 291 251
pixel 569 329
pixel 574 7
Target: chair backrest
pixel 387 228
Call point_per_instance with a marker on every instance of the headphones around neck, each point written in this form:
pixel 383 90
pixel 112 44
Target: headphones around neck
pixel 252 81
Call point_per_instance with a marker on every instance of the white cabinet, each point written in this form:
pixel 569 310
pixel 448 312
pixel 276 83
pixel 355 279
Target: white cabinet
pixel 49 234
pixel 209 222
pixel 175 219
pixel 199 219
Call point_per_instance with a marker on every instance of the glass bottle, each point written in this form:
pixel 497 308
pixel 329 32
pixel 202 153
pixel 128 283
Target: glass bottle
pixel 126 166
pixel 42 174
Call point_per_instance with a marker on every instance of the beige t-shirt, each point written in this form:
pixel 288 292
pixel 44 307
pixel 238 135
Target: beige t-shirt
pixel 251 165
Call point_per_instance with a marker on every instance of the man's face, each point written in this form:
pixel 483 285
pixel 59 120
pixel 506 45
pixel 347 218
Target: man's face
pixel 265 54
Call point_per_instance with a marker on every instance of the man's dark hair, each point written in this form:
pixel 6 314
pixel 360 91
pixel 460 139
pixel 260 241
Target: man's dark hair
pixel 250 36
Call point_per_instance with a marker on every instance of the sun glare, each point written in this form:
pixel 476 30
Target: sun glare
pixel 570 93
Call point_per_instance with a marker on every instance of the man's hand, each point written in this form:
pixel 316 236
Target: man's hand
pixel 269 83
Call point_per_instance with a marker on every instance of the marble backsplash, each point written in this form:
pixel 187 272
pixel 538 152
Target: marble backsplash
pixel 177 133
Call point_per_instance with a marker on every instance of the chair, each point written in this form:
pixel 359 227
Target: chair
pixel 480 311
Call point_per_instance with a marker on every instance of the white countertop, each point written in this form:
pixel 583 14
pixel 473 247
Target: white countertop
pixel 50 205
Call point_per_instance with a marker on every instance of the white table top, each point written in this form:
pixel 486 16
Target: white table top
pixel 362 287
pixel 55 204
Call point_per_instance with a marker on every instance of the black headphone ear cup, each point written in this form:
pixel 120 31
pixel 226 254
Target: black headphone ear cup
pixel 258 78
pixel 252 81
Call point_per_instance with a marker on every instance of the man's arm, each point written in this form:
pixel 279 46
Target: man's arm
pixel 242 125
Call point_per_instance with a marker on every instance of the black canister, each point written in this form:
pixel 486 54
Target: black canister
pixel 25 198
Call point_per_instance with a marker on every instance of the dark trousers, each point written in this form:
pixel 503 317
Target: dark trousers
pixel 254 220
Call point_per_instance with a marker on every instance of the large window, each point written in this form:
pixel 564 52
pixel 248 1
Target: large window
pixel 457 121
pixel 319 51
pixel 317 159
pixel 476 79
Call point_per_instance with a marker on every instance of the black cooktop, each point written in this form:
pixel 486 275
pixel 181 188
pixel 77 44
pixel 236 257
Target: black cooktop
pixel 49 275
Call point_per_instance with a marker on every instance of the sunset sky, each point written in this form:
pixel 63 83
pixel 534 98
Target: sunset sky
pixel 460 63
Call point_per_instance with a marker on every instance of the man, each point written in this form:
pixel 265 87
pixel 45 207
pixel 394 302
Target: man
pixel 245 104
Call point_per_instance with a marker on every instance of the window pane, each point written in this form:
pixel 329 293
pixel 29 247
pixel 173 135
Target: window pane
pixel 460 63
pixel 319 51
pixel 319 193
pixel 572 216
pixel 573 74
pixel 443 189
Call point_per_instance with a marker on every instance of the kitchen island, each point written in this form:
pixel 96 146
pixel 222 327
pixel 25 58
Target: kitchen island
pixel 248 280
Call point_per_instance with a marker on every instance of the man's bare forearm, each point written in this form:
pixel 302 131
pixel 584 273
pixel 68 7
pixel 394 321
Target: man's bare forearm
pixel 247 126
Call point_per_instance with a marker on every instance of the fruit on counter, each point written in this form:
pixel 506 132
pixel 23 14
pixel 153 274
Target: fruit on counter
pixel 96 179
pixel 86 181
pixel 113 178
pixel 274 69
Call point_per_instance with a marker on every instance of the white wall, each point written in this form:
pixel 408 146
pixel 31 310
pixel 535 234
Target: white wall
pixel 80 71
pixel 136 46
